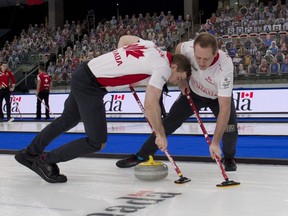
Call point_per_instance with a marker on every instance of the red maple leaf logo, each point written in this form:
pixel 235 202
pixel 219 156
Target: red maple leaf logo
pixel 135 50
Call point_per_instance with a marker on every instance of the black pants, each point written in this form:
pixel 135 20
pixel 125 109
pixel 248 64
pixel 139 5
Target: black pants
pixel 5 94
pixel 85 102
pixel 42 95
pixel 181 111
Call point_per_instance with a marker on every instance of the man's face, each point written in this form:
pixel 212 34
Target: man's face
pixel 176 76
pixel 4 67
pixel 204 56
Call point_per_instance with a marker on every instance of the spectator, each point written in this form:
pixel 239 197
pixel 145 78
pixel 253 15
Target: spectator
pixel 280 57
pixel 237 60
pixel 252 68
pixel 258 58
pixel 242 71
pixel 252 50
pixel 283 48
pixel 262 48
pixel 247 60
pixel 284 66
pixel 263 68
pixel 51 69
pixel 269 57
pixel 273 48
pixel 274 68
pixel 232 51
pixel 242 51
pixel 267 41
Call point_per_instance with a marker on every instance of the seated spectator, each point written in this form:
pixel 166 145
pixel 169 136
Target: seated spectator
pixel 239 16
pixel 262 48
pixel 238 43
pixel 232 51
pixel 51 69
pixel 258 58
pixel 268 57
pixel 280 57
pixel 252 50
pixel 213 18
pixel 247 60
pixel 284 67
pixel 283 48
pixel 237 60
pixel 274 67
pixel 212 30
pixel 242 51
pixel 263 68
pixel 273 48
pixel 258 40
pixel 247 43
pixel 242 72
pixel 267 41
pixel 252 68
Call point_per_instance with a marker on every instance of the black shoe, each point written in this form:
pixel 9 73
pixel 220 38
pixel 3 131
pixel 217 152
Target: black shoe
pixel 130 161
pixel 229 164
pixel 24 158
pixel 48 172
pixel 37 118
pixel 47 117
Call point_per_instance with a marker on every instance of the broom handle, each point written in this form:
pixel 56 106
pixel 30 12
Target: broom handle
pixel 204 132
pixel 166 151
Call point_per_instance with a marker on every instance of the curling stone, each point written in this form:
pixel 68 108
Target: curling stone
pixel 151 170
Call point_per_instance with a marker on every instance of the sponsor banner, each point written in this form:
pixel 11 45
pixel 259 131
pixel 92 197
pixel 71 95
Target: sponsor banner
pixel 135 203
pixel 122 103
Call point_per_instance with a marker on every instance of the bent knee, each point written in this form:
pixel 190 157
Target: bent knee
pixel 97 146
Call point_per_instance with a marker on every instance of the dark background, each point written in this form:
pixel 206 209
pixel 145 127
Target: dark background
pixel 17 18
pixel 108 8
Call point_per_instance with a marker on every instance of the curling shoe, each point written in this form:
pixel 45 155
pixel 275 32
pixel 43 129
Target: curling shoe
pixel 24 158
pixel 48 172
pixel 229 164
pixel 130 161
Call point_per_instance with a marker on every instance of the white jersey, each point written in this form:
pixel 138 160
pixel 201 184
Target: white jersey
pixel 132 64
pixel 216 80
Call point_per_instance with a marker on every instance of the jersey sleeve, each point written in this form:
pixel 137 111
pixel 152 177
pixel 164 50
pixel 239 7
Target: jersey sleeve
pixel 160 76
pixel 225 81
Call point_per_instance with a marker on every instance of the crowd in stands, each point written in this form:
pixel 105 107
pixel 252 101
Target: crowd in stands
pixel 255 37
pixel 62 49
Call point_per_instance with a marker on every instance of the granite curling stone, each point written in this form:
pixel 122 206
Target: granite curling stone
pixel 151 170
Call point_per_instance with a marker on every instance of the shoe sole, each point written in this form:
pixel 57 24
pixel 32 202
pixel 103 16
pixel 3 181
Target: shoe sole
pixel 129 166
pixel 231 170
pixel 18 157
pixel 42 174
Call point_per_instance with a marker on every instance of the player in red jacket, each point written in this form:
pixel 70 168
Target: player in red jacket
pixel 7 85
pixel 42 91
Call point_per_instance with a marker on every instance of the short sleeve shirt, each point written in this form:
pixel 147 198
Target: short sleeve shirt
pixel 132 64
pixel 45 81
pixel 216 80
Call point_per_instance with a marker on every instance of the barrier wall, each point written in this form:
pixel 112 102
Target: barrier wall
pixel 123 104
